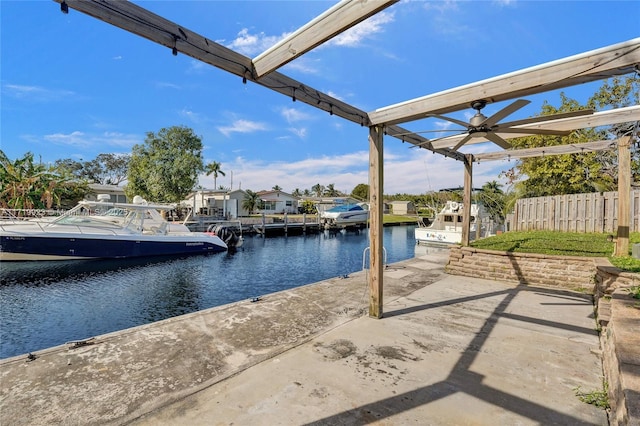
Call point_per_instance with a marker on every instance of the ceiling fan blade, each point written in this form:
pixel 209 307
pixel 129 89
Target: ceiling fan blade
pixel 453 120
pixel 498 140
pixel 445 137
pixel 418 132
pixel 541 118
pixel 509 109
pixel 462 142
pixel 536 131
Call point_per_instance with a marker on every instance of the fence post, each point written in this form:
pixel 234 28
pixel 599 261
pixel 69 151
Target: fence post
pixel 624 193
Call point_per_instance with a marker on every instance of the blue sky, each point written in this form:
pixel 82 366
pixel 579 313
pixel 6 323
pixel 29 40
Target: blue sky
pixel 74 87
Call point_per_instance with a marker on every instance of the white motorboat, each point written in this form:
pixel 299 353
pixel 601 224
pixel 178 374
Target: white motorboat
pixel 346 215
pixel 137 230
pixel 446 227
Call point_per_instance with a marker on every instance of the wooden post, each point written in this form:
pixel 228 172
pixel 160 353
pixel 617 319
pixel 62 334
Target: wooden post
pixel 466 199
pixel 376 208
pixel 624 195
pixel 286 222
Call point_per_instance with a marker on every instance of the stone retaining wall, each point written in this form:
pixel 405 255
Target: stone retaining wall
pixel 572 273
pixel 617 312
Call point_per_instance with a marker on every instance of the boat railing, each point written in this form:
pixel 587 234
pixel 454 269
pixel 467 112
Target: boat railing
pixel 27 214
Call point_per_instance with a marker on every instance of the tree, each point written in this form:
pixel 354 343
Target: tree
pixel 331 191
pixel 564 174
pixel 26 184
pixel 251 201
pixel 308 207
pixel 296 192
pixel 361 192
pixel 277 188
pixel 111 169
pixel 620 92
pixel 165 168
pixel 213 168
pixel 493 200
pixel 317 189
pixel 106 169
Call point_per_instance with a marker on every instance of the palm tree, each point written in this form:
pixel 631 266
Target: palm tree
pixel 277 188
pixel 213 168
pixel 296 192
pixel 493 199
pixel 318 189
pixel 27 185
pixel 331 191
pixel 251 201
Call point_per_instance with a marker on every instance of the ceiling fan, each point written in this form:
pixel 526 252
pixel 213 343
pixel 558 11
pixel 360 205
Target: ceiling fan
pixel 481 126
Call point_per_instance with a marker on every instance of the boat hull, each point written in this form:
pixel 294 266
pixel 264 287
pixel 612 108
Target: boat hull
pixel 347 219
pixel 73 247
pixel 432 236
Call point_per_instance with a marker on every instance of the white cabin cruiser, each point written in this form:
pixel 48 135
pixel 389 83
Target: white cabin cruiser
pixel 446 227
pixel 346 215
pixel 137 230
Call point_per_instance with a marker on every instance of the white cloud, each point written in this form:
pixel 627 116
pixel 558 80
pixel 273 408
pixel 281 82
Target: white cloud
pixel 35 93
pixel 167 85
pixel 242 126
pixel 304 65
pixel 197 67
pixel 101 142
pixel 252 44
pixel 406 170
pixel 300 132
pixel 365 29
pixel 77 139
pixel 194 117
pixel 293 115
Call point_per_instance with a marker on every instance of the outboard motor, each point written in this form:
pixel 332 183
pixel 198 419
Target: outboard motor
pixel 226 234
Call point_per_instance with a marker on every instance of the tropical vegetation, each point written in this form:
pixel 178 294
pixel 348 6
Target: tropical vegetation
pixel 27 184
pixel 214 169
pixel 165 168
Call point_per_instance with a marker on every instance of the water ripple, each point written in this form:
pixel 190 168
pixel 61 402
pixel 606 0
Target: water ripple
pixel 46 304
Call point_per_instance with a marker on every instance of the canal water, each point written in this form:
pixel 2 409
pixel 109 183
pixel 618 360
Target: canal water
pixel 44 304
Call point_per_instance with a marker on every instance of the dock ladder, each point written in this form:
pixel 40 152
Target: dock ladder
pixel 364 257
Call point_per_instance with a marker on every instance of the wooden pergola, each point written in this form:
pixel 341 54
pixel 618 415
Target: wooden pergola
pixel 614 60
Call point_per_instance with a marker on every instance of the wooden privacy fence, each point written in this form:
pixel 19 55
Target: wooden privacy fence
pixel 594 212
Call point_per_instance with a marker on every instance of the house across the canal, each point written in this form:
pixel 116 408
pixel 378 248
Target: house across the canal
pixel 277 202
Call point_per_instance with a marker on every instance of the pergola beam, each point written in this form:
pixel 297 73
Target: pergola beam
pixel 597 119
pixel 573 148
pixel 334 21
pixel 137 20
pixel 618 59
pixel 418 141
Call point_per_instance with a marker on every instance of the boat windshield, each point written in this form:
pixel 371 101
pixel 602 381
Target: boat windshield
pixel 346 208
pixel 85 221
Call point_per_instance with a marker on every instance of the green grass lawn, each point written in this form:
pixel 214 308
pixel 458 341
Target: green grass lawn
pixel 562 243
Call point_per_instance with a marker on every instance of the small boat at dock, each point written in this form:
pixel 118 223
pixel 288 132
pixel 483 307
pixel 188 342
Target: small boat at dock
pixel 446 227
pixel 345 215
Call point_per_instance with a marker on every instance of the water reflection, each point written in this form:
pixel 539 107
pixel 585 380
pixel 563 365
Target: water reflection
pixel 49 303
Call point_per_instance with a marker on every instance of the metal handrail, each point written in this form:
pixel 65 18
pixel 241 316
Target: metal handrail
pixel 364 256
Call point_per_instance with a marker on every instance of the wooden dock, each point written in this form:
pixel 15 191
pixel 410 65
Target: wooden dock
pixel 284 228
